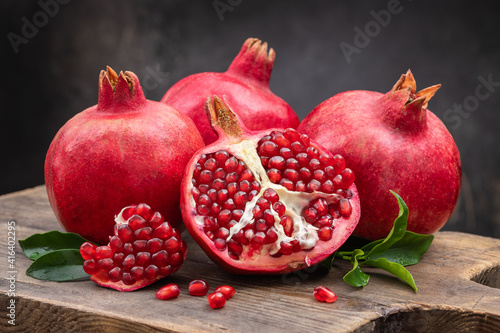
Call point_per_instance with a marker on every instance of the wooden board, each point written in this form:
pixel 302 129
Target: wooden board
pixel 449 299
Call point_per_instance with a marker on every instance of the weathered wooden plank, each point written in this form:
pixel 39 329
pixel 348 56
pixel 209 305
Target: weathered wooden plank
pixel 448 299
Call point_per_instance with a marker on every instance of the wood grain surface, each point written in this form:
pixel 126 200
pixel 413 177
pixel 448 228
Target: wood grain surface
pixel 458 281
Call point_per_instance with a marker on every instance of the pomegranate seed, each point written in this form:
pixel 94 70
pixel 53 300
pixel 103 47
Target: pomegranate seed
pixel 287 223
pixel 237 214
pixel 270 195
pixel 136 222
pixel 347 178
pixel 203 210
pixel 325 233
pixel 279 208
pixel 240 238
pixel 326 159
pixel 128 248
pixel 305 174
pixel 220 244
pixel 345 208
pixel 175 259
pixel 264 160
pixel 227 291
pixel 310 214
pixel 286 153
pixel 319 175
pixel 102 252
pixel 240 167
pixel 216 300
pixel 229 204
pixel 323 294
pixel 274 175
pixel 198 288
pixel 313 185
pixel 215 209
pixel 205 177
pixel 172 245
pixel 137 272
pixel 292 163
pixel 271 235
pixel 321 206
pixel 144 211
pixel 143 259
pixel 156 220
pixel 106 264
pixel 245 186
pixel 211 164
pixel 277 162
pixel 144 233
pixel 169 291
pixel 87 250
pixel 288 184
pixel 125 233
pixel 222 195
pixel 324 221
pixel 305 140
pixel 234 247
pixel 160 258
pixel 202 159
pixel 268 217
pixel 330 171
pixel 257 211
pixel 203 188
pixel 303 159
pixel 232 188
pixel 217 184
pixel 232 177
pixel 90 267
pixel 291 134
pixel 128 262
pixel 163 231
pixel 128 212
pixel 260 225
pixel 115 274
pixel 151 272
pixel 224 217
pixel 268 148
pixel 219 173
pixel 246 175
pixel 300 186
pixel 312 152
pixel 338 163
pixel 222 233
pixel 231 164
pixel 240 199
pixel 221 156
pixel 252 194
pixel 327 187
pixel 118 257
pixel 291 174
pixel 286 248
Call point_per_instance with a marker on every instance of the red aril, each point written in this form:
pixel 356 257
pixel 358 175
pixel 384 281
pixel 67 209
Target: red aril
pixel 245 85
pixel 143 249
pixel 198 288
pixel 216 300
pixel 227 291
pixel 124 150
pixel 323 294
pixel 392 142
pixel 168 291
pixel 266 201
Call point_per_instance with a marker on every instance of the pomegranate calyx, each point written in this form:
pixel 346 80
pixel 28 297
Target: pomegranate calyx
pixel 254 61
pixel 405 109
pixel 223 120
pixel 120 90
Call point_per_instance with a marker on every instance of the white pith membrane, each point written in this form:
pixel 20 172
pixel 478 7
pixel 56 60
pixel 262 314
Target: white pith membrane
pixel 294 201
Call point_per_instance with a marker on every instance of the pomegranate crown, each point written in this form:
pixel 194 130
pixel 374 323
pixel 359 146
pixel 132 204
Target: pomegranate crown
pixel 254 61
pixel 121 89
pixel 222 118
pixel 404 108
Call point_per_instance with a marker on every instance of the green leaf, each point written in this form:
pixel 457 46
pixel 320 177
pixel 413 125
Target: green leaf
pixel 37 245
pixel 393 268
pixel 397 232
pixel 58 265
pixel 407 251
pixel 356 277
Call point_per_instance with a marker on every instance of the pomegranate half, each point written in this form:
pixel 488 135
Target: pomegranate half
pixel 392 142
pixel 245 85
pixel 266 202
pixel 124 150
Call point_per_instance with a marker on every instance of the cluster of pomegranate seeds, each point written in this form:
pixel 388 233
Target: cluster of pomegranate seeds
pixel 293 162
pixel 198 287
pixel 323 294
pixel 286 162
pixel 143 249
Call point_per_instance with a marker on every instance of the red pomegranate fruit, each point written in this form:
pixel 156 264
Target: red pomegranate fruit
pixel 266 202
pixel 124 150
pixel 392 142
pixel 245 85
pixel 143 249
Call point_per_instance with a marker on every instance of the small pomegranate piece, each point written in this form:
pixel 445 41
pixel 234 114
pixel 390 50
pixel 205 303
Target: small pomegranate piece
pixel 227 291
pixel 124 150
pixel 198 288
pixel 144 249
pixel 245 84
pixel 323 294
pixel 168 291
pixel 216 300
pixel 391 142
pixel 274 212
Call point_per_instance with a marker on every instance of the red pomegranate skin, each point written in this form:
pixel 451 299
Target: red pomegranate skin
pixel 245 85
pixel 122 151
pixel 392 142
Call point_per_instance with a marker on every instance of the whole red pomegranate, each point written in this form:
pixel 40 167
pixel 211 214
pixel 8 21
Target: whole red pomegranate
pixel 245 85
pixel 124 150
pixel 392 142
pixel 144 249
pixel 266 201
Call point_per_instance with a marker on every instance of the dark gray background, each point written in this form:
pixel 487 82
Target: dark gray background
pixel 54 74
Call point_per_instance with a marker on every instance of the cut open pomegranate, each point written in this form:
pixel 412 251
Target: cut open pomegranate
pixel 266 201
